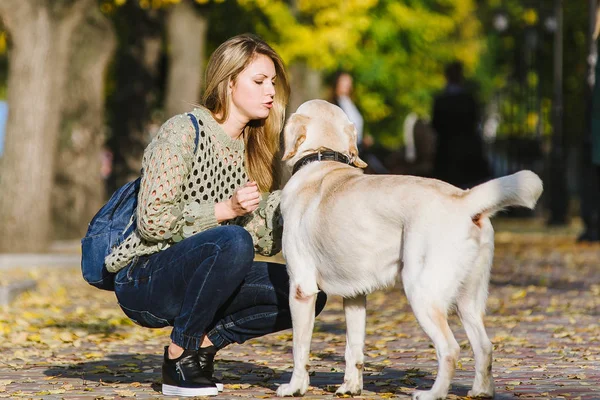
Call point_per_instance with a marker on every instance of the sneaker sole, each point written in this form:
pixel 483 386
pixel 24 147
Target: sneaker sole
pixel 169 390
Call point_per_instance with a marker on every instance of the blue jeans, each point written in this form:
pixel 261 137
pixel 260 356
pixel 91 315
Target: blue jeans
pixel 208 284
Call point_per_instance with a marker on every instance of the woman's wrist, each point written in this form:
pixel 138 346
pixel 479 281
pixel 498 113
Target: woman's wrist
pixel 224 211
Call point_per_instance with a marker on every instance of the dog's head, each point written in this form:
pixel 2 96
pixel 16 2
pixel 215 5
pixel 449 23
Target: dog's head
pixel 318 125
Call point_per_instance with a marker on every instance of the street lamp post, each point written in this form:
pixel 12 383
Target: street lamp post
pixel 558 196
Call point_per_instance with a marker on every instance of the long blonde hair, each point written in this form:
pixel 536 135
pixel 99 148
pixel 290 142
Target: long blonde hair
pixel 261 137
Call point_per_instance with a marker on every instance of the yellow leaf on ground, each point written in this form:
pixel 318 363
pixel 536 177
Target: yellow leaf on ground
pixel 237 386
pixel 34 338
pixel 93 355
pixel 125 393
pixel 66 337
pixel 520 294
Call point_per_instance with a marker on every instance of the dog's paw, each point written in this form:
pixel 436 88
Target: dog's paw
pixel 349 388
pixel 287 390
pixel 488 394
pixel 426 395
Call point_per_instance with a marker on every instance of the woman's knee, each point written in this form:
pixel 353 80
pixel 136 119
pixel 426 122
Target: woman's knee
pixel 238 243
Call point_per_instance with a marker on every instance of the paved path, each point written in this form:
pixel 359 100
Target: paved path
pixel 68 340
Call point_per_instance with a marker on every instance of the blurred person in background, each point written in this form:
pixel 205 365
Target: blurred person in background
pixel 589 185
pixel 343 86
pixel 459 156
pixel 590 212
pixel 207 203
pixel 419 148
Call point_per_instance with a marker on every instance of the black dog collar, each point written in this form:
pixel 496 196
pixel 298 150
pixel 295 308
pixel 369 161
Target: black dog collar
pixel 328 155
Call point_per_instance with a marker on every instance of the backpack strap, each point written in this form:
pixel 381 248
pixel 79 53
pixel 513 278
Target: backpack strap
pixel 197 128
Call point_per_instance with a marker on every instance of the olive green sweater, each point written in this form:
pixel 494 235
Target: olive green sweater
pixel 179 189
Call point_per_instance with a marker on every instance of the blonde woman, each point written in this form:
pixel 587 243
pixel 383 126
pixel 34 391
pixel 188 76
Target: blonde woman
pixel 207 203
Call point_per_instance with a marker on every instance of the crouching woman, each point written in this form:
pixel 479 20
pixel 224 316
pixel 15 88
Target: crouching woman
pixel 207 203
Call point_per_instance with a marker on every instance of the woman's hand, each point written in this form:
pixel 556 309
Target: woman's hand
pixel 245 199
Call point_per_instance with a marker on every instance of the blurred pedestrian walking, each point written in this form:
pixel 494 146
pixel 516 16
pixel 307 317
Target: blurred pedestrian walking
pixel 459 157
pixel 591 212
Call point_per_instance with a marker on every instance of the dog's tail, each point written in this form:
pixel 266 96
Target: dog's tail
pixel 520 189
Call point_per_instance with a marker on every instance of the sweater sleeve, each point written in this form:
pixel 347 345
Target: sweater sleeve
pixel 265 224
pixel 166 164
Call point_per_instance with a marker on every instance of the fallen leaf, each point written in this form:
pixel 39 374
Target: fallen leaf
pixel 125 393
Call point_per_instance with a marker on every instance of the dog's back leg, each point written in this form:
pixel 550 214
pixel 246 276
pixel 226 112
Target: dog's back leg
pixel 434 321
pixel 431 309
pixel 302 305
pixel 356 315
pixel 471 308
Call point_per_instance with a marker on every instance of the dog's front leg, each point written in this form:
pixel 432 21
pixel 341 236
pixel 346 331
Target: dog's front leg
pixel 355 310
pixel 302 307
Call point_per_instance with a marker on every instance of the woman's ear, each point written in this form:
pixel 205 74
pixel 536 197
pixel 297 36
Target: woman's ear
pixel 294 135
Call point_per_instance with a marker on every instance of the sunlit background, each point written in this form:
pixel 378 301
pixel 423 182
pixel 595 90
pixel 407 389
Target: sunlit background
pixel 84 84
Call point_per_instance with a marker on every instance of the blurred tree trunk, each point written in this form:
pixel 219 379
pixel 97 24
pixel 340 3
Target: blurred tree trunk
pixel 306 84
pixel 136 74
pixel 40 33
pixel 79 188
pixel 186 35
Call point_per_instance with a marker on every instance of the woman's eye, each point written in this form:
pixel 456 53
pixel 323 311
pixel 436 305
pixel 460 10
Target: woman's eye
pixel 258 82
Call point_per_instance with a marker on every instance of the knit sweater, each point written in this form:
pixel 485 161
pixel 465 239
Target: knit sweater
pixel 179 190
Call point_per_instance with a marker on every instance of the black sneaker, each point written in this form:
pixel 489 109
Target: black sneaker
pixel 206 358
pixel 184 377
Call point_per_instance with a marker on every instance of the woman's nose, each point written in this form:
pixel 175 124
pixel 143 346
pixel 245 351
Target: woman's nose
pixel 270 89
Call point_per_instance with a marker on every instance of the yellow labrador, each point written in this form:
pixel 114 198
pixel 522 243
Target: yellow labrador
pixel 350 234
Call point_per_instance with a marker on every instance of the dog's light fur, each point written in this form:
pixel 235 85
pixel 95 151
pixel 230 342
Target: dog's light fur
pixel 349 234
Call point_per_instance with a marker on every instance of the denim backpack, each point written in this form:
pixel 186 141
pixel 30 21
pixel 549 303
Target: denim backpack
pixel 115 221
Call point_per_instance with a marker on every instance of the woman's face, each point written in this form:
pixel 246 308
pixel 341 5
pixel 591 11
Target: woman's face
pixel 344 85
pixel 253 90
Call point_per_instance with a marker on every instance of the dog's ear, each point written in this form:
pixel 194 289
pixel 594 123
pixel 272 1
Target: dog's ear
pixel 294 134
pixel 354 159
pixel 357 162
